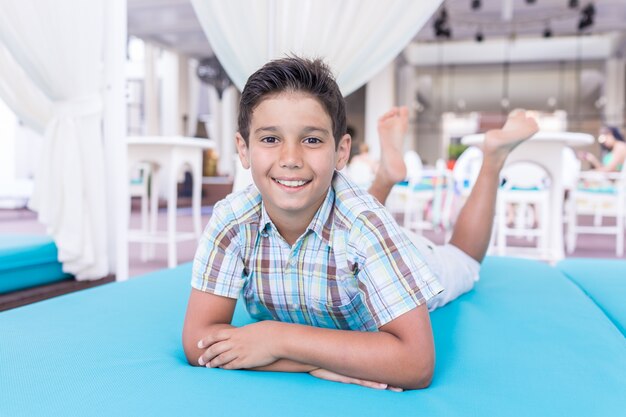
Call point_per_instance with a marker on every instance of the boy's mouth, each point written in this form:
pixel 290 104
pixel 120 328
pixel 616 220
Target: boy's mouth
pixel 291 183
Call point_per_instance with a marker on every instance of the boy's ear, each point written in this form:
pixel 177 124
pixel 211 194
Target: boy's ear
pixel 343 151
pixel 242 151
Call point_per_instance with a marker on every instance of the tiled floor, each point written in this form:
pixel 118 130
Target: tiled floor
pixel 24 221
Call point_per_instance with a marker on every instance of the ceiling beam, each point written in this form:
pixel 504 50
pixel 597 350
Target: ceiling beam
pixel 597 47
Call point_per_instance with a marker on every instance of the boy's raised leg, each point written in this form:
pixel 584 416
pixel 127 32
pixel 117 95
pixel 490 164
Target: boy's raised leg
pixel 392 129
pixel 472 231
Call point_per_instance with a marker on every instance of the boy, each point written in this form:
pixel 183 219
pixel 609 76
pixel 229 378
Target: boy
pixel 338 289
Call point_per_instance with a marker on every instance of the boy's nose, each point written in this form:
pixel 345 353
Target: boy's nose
pixel 290 156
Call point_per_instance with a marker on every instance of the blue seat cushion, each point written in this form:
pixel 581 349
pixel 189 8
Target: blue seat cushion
pixel 525 342
pixel 27 261
pixel 604 281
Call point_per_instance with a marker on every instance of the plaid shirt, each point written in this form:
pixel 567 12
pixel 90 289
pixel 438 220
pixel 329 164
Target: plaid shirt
pixel 353 268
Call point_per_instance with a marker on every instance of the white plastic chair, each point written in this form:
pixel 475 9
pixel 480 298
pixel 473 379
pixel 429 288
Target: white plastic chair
pixel 139 186
pixel 466 170
pixel 600 194
pixel 525 184
pixel 464 174
pixel 243 177
pixel 397 199
pixel 437 197
pixel 360 173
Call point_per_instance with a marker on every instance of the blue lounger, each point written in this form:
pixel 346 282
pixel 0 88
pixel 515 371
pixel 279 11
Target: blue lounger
pixel 27 261
pixel 525 342
pixel 604 281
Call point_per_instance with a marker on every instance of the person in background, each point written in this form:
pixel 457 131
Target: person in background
pixel 614 148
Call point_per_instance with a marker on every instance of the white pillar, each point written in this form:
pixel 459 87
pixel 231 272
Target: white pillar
pixel 230 101
pixel 114 136
pixel 615 91
pixel 407 89
pixel 169 93
pixel 194 95
pixel 183 94
pixel 379 97
pixel 215 119
pixel 151 91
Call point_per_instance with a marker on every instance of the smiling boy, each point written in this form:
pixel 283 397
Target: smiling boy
pixel 338 289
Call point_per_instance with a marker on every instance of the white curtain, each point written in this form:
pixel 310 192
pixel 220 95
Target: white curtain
pixel 23 97
pixel 357 38
pixel 59 47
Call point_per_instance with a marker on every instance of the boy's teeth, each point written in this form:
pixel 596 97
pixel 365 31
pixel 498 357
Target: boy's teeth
pixel 291 183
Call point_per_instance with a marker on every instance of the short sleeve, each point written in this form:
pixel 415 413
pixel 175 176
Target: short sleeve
pixel 217 266
pixel 392 275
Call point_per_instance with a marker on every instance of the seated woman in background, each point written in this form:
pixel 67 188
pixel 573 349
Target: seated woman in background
pixel 614 148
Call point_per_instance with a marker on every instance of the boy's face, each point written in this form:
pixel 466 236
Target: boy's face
pixel 291 154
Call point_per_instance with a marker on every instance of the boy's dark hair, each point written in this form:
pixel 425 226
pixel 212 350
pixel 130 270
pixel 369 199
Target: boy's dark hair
pixel 293 74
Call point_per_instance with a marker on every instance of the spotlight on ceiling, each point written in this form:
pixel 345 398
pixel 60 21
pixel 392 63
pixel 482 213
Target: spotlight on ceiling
pixel 531 1
pixel 573 4
pixel 479 36
pixel 587 15
pixel 547 32
pixel 475 5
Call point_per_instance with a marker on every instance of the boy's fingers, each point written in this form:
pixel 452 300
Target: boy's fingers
pixel 332 376
pixel 224 360
pixel 212 352
pixel 212 338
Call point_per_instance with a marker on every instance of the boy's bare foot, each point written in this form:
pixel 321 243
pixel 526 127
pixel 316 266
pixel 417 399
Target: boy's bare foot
pixel 392 129
pixel 500 142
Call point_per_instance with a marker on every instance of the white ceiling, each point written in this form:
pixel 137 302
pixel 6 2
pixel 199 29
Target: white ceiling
pixel 169 23
pixel 526 19
pixel 173 23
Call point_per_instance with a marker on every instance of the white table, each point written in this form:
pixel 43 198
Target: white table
pixel 167 154
pixel 546 149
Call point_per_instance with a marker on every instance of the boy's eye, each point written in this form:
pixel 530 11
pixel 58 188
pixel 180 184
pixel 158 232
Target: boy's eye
pixel 269 139
pixel 312 140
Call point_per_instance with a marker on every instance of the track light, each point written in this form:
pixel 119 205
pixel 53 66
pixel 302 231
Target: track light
pixel 475 5
pixel 440 25
pixel 547 32
pixel 586 17
pixel 531 1
pixel 573 4
pixel 479 36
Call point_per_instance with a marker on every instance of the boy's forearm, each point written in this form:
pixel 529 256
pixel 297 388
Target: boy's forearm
pixel 286 365
pixel 374 356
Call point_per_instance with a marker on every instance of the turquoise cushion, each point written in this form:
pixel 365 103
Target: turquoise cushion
pixel 604 281
pixel 598 190
pixel 525 342
pixel 17 251
pixel 27 261
pixel 31 276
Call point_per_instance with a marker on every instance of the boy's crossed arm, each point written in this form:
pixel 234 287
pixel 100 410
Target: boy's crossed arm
pixel 401 354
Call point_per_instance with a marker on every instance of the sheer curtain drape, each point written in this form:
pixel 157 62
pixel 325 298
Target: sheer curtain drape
pixel 58 47
pixel 357 38
pixel 30 105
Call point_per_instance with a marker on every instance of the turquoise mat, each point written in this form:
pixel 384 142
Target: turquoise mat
pixel 525 342
pixel 604 281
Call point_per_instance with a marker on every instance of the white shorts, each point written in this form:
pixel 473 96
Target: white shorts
pixel 456 271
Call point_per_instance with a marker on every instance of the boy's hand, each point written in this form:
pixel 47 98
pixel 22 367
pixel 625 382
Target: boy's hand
pixel 335 377
pixel 244 347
